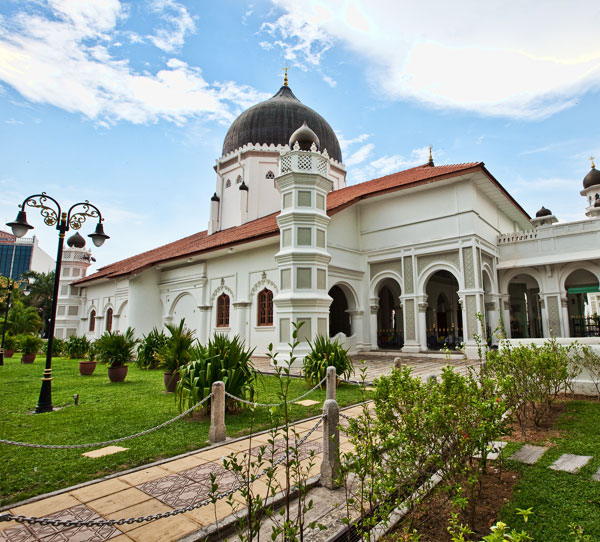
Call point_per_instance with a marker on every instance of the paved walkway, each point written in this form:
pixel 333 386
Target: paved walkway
pixel 177 483
pixel 381 363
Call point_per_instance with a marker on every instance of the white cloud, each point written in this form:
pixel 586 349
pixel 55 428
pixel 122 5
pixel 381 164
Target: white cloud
pixel 63 60
pixel 179 22
pixel 345 144
pixel 526 60
pixel 359 156
pixel 384 165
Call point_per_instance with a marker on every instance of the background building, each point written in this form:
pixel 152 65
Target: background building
pixel 28 256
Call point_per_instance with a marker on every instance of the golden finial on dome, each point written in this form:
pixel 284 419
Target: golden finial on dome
pixel 430 156
pixel 285 79
pixel 592 159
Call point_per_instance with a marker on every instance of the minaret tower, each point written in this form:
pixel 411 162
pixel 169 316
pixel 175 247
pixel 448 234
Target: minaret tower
pixel 303 260
pixel 591 191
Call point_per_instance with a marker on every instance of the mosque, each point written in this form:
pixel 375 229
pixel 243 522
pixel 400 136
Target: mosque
pixel 374 264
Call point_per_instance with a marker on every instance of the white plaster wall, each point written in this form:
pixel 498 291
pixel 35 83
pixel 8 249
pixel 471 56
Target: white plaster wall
pixel 40 261
pixel 145 306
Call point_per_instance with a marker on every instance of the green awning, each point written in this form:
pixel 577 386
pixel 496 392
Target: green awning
pixel 583 290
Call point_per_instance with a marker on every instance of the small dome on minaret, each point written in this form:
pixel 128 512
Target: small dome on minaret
pixel 305 138
pixel 593 177
pixel 543 212
pixel 76 241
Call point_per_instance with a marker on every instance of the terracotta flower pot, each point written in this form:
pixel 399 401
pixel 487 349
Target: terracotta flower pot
pixel 87 367
pixel 171 380
pixel 117 374
pixel 8 353
pixel 27 358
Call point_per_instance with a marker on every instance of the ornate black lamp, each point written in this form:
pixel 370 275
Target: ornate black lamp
pixel 53 216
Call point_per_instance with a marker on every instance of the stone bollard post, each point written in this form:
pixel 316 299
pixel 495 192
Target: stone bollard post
pixel 330 467
pixel 217 431
pixel 331 382
pixel 398 363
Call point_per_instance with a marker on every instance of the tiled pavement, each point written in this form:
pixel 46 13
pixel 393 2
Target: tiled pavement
pixel 159 488
pixel 381 363
pixel 178 482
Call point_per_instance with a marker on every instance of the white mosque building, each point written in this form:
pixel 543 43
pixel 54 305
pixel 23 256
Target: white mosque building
pixel 375 264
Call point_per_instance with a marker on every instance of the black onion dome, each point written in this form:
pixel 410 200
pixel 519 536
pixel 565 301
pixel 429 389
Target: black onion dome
pixel 592 178
pixel 543 212
pixel 275 120
pixel 76 241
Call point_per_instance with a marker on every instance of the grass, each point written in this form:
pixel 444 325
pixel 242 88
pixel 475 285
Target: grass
pixel 108 411
pixel 560 498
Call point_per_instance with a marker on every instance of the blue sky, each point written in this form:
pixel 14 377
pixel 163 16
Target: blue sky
pixel 126 103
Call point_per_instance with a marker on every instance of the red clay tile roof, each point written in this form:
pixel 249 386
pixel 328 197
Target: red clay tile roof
pixel 267 225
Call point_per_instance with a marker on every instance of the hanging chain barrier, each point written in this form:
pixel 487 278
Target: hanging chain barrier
pixel 113 441
pixel 141 519
pixel 271 405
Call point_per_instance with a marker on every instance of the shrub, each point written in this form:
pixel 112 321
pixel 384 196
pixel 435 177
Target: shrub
pixel 148 349
pixel 11 342
pixel 115 348
pixel 59 347
pixel 30 344
pixel 22 319
pixel 530 377
pixel 589 361
pixel 324 353
pixel 176 352
pixel 77 347
pixel 222 359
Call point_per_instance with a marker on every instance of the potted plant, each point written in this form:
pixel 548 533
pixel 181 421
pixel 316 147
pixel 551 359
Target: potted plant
pixel 88 366
pixel 10 345
pixel 117 350
pixel 175 353
pixel 30 346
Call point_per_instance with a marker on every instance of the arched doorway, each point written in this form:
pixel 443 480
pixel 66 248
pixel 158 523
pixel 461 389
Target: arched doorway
pixel 583 320
pixel 390 321
pixel 525 311
pixel 339 319
pixel 444 313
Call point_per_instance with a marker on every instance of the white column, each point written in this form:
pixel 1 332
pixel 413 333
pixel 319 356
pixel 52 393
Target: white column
pixel 422 322
pixel 373 308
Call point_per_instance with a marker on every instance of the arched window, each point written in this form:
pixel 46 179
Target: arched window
pixel 228 183
pixel 270 175
pixel 109 316
pixel 223 310
pixel 92 320
pixel 239 179
pixel 265 308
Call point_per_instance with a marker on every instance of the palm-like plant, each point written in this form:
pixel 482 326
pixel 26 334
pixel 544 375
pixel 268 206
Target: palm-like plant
pixel 41 288
pixel 222 359
pixel 22 319
pixel 325 353
pixel 116 349
pixel 177 350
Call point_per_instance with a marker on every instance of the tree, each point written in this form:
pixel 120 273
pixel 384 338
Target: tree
pixel 22 319
pixel 41 286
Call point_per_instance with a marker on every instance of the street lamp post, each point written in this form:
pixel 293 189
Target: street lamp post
pixel 53 216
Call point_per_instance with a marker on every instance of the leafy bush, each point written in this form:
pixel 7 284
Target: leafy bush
pixel 11 342
pixel 222 359
pixel 589 361
pixel 530 377
pixel 115 348
pixel 177 350
pixel 30 344
pixel 59 347
pixel 325 353
pixel 77 347
pixel 149 348
pixel 22 319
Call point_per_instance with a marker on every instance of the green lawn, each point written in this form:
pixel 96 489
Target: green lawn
pixel 107 411
pixel 560 498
